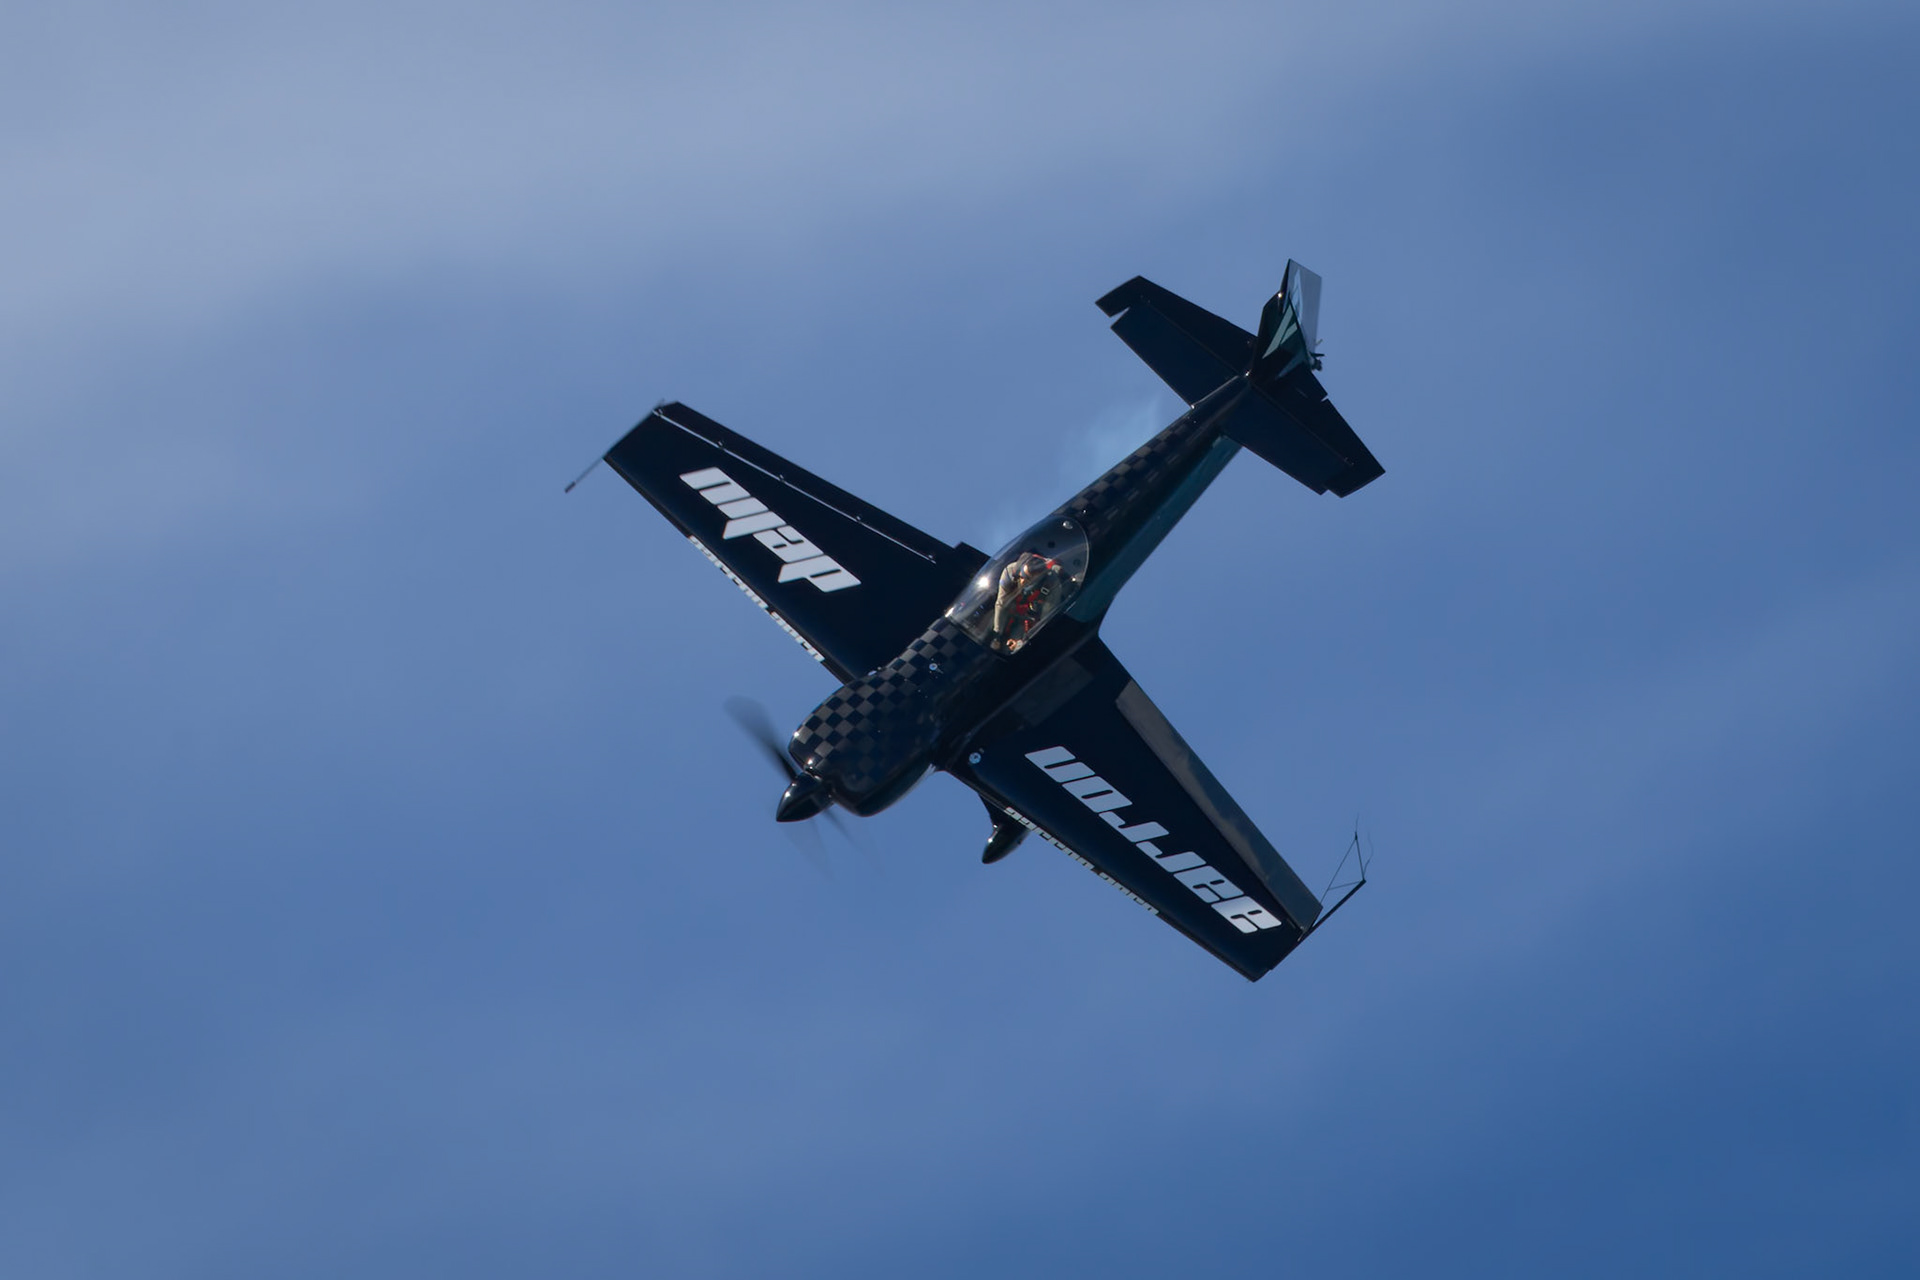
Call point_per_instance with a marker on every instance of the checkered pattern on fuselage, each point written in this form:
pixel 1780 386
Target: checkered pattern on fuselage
pixel 876 728
pixel 877 725
pixel 1116 497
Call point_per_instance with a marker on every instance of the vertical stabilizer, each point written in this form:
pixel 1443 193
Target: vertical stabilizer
pixel 1289 334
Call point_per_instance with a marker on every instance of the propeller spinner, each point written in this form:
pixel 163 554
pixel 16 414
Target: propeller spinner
pixel 806 795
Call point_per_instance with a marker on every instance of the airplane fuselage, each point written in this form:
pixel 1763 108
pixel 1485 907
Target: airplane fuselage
pixel 1003 647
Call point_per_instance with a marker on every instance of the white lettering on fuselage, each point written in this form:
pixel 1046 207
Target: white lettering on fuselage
pixel 746 514
pixel 1190 869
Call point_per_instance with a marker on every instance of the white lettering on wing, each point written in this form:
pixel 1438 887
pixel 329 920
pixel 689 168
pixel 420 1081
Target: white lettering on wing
pixel 746 514
pixel 1080 781
pixel 754 596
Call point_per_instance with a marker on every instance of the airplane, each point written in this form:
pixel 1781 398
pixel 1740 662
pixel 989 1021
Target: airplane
pixel 991 668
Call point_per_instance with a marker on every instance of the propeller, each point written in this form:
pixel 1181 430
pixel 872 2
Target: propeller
pixel 758 725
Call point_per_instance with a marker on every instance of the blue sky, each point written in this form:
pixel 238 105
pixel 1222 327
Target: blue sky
pixel 384 892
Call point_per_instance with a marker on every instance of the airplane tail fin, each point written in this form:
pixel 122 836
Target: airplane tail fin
pixel 1289 327
pixel 1286 419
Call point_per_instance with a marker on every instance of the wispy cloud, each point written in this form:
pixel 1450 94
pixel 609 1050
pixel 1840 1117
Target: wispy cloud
pixel 169 169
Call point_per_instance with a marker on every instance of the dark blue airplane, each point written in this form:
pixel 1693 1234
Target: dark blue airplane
pixel 991 668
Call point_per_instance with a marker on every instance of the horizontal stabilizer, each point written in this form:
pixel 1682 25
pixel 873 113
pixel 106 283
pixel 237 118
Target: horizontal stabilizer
pixel 1292 425
pixel 1193 350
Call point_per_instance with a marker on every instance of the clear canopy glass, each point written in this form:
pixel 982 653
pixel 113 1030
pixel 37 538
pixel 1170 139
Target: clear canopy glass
pixel 1024 587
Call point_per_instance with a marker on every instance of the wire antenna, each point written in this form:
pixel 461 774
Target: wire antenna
pixel 583 475
pixel 1362 859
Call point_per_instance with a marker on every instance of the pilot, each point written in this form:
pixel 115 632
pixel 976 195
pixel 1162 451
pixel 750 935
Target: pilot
pixel 1019 607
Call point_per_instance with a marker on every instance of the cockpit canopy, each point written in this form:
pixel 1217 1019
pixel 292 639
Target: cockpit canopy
pixel 1024 587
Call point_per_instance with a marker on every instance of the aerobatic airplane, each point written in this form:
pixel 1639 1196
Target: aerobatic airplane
pixel 991 668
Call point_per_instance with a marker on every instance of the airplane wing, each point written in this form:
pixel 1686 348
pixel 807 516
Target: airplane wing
pixel 851 583
pixel 1086 761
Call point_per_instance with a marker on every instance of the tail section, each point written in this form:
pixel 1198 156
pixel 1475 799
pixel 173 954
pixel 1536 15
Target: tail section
pixel 1192 349
pixel 1289 326
pixel 1287 419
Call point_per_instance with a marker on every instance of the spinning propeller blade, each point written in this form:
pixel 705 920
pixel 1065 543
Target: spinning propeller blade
pixel 758 725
